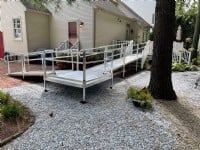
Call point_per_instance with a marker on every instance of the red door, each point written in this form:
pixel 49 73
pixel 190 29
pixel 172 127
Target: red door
pixel 1 45
pixel 72 31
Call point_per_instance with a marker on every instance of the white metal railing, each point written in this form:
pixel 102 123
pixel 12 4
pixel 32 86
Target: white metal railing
pixel 99 54
pixel 114 42
pixel 66 45
pixel 181 56
pixel 76 45
pixel 148 50
pixel 63 45
pixel 24 60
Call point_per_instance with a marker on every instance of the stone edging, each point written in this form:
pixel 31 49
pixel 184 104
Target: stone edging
pixel 12 137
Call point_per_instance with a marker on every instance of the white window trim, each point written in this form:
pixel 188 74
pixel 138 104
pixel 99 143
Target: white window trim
pixel 14 28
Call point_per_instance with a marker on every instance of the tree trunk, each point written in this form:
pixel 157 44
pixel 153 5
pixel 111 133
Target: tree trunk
pixel 160 84
pixel 196 34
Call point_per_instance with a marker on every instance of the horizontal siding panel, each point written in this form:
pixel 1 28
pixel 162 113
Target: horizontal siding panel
pixel 38 30
pixel 80 10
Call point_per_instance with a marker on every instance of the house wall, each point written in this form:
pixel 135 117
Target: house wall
pixel 140 33
pixel 110 27
pixel 80 10
pixel 143 32
pixel 38 30
pixel 10 10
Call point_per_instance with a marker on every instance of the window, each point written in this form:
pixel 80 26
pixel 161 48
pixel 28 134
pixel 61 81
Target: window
pixel 17 27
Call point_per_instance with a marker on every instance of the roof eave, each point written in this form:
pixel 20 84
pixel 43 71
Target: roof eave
pixel 37 11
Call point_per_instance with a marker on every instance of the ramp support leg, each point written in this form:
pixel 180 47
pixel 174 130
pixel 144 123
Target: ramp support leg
pixel 84 77
pixel 123 75
pixel 44 69
pixel 111 83
pixel 45 86
pixel 84 93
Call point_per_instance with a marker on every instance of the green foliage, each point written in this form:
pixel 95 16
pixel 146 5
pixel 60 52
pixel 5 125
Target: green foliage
pixel 178 67
pixel 143 97
pixel 186 16
pixel 12 111
pixel 4 98
pixel 191 49
pixel 151 36
pixel 196 61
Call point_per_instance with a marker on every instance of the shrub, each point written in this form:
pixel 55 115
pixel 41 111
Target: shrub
pixel 196 61
pixel 178 67
pixel 193 68
pixel 151 36
pixel 4 98
pixel 143 97
pixel 183 67
pixel 12 111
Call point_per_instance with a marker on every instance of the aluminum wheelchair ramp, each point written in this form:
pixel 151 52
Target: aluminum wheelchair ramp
pixel 108 59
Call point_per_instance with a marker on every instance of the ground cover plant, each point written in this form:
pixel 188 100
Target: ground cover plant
pixel 141 98
pixel 179 67
pixel 15 118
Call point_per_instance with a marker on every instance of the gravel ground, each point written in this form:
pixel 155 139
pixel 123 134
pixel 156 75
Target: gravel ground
pixel 108 121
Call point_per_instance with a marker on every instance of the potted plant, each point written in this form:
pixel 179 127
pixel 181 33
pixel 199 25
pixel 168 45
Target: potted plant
pixel 140 98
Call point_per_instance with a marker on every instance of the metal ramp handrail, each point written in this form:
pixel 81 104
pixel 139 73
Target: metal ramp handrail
pixel 148 50
pixel 63 45
pixel 121 42
pixel 76 45
pixel 119 50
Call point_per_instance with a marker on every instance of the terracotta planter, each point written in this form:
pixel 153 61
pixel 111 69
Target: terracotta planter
pixel 60 66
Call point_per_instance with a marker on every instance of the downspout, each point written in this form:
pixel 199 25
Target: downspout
pixel 27 30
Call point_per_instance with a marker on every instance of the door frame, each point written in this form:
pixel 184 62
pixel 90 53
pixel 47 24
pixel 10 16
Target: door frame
pixel 77 28
pixel 2 47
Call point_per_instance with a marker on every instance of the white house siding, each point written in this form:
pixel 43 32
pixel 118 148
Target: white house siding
pixel 10 10
pixel 80 10
pixel 38 30
pixel 111 27
pixel 140 33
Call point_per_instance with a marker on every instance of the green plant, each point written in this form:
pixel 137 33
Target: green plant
pixel 4 98
pixel 151 36
pixel 196 61
pixel 12 111
pixel 178 67
pixel 191 49
pixel 193 68
pixel 143 97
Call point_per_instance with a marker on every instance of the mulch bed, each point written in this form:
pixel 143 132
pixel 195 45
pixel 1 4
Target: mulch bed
pixel 11 129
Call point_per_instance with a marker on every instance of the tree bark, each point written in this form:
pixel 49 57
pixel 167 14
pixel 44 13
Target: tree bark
pixel 196 34
pixel 160 84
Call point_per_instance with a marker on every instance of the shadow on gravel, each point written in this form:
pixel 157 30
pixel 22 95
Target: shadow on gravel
pixel 185 115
